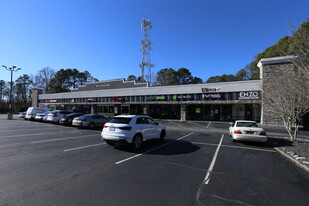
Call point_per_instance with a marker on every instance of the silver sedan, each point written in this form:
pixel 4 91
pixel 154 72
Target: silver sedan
pixel 90 120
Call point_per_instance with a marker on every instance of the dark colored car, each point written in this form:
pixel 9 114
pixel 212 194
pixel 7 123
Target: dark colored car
pixel 67 119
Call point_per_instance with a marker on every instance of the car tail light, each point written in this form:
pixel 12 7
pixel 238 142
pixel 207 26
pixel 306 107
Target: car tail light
pixel 125 128
pixel 105 126
pixel 237 132
pixel 263 133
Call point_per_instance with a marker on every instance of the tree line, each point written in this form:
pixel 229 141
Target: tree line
pixel 169 76
pixel 63 80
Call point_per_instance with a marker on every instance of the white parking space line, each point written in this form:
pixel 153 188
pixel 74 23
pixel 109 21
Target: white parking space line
pixel 238 147
pixel 65 138
pixel 197 124
pixel 77 148
pixel 119 162
pixel 174 123
pixel 32 129
pixel 35 134
pixel 208 125
pixel 213 161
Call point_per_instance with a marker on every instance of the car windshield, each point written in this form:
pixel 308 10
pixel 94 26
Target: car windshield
pixel 120 120
pixel 247 124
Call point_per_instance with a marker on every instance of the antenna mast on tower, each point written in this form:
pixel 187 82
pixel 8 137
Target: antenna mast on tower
pixel 145 49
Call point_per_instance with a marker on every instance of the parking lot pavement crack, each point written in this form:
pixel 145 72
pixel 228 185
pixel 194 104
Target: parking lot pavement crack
pixel 28 153
pixel 186 166
pixel 228 200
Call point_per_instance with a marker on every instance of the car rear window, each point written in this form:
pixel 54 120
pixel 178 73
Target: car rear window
pixel 246 124
pixel 120 120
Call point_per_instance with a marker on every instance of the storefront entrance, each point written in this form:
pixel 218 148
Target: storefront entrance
pixel 164 111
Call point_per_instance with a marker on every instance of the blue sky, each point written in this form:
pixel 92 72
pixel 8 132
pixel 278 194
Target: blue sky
pixel 103 36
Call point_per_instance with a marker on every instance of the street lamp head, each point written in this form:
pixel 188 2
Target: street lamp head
pixel 13 67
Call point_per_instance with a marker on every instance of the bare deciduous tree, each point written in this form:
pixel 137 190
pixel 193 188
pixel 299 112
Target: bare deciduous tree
pixel 299 47
pixel 287 99
pixel 43 77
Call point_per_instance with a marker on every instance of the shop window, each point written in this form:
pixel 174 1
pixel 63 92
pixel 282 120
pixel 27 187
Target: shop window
pixel 100 109
pixel 151 98
pixel 197 97
pixel 111 109
pixel 234 96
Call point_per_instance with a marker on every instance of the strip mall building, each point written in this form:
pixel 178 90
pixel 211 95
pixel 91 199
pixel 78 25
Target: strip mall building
pixel 223 101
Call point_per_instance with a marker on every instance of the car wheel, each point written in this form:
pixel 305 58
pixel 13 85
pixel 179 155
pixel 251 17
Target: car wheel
pixel 91 125
pixel 110 143
pixel 162 136
pixel 137 141
pixel 232 138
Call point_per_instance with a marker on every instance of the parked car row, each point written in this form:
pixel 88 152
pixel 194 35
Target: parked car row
pixel 121 129
pixel 65 117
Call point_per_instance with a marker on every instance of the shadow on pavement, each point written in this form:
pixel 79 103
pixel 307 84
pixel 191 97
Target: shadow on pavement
pixel 276 142
pixel 154 147
pixel 271 143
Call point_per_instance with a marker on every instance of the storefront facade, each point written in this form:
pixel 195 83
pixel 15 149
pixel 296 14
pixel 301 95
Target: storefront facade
pixel 225 101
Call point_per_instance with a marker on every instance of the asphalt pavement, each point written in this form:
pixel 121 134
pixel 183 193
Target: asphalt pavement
pixel 48 164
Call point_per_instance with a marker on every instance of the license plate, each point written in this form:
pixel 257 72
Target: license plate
pixel 112 129
pixel 249 132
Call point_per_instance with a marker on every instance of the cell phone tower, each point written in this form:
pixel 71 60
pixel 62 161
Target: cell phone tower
pixel 145 49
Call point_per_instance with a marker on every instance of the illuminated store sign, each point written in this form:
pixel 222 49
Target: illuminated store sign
pixel 211 90
pixel 51 101
pixel 90 100
pixel 160 97
pixel 118 99
pixel 182 97
pixel 248 95
pixel 216 96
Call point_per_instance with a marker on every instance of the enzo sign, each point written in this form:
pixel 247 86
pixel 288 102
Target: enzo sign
pixel 248 95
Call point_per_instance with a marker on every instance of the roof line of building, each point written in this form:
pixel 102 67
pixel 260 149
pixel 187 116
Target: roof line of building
pixel 276 60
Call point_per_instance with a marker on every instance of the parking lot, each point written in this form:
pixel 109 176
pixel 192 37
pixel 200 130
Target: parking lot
pixel 49 164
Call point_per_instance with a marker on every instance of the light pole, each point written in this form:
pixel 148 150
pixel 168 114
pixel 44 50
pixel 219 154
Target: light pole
pixel 11 69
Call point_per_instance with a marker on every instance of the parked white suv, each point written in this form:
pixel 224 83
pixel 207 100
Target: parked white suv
pixel 56 115
pixel 132 129
pixel 32 111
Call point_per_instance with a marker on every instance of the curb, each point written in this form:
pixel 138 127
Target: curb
pixel 301 139
pixel 293 160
